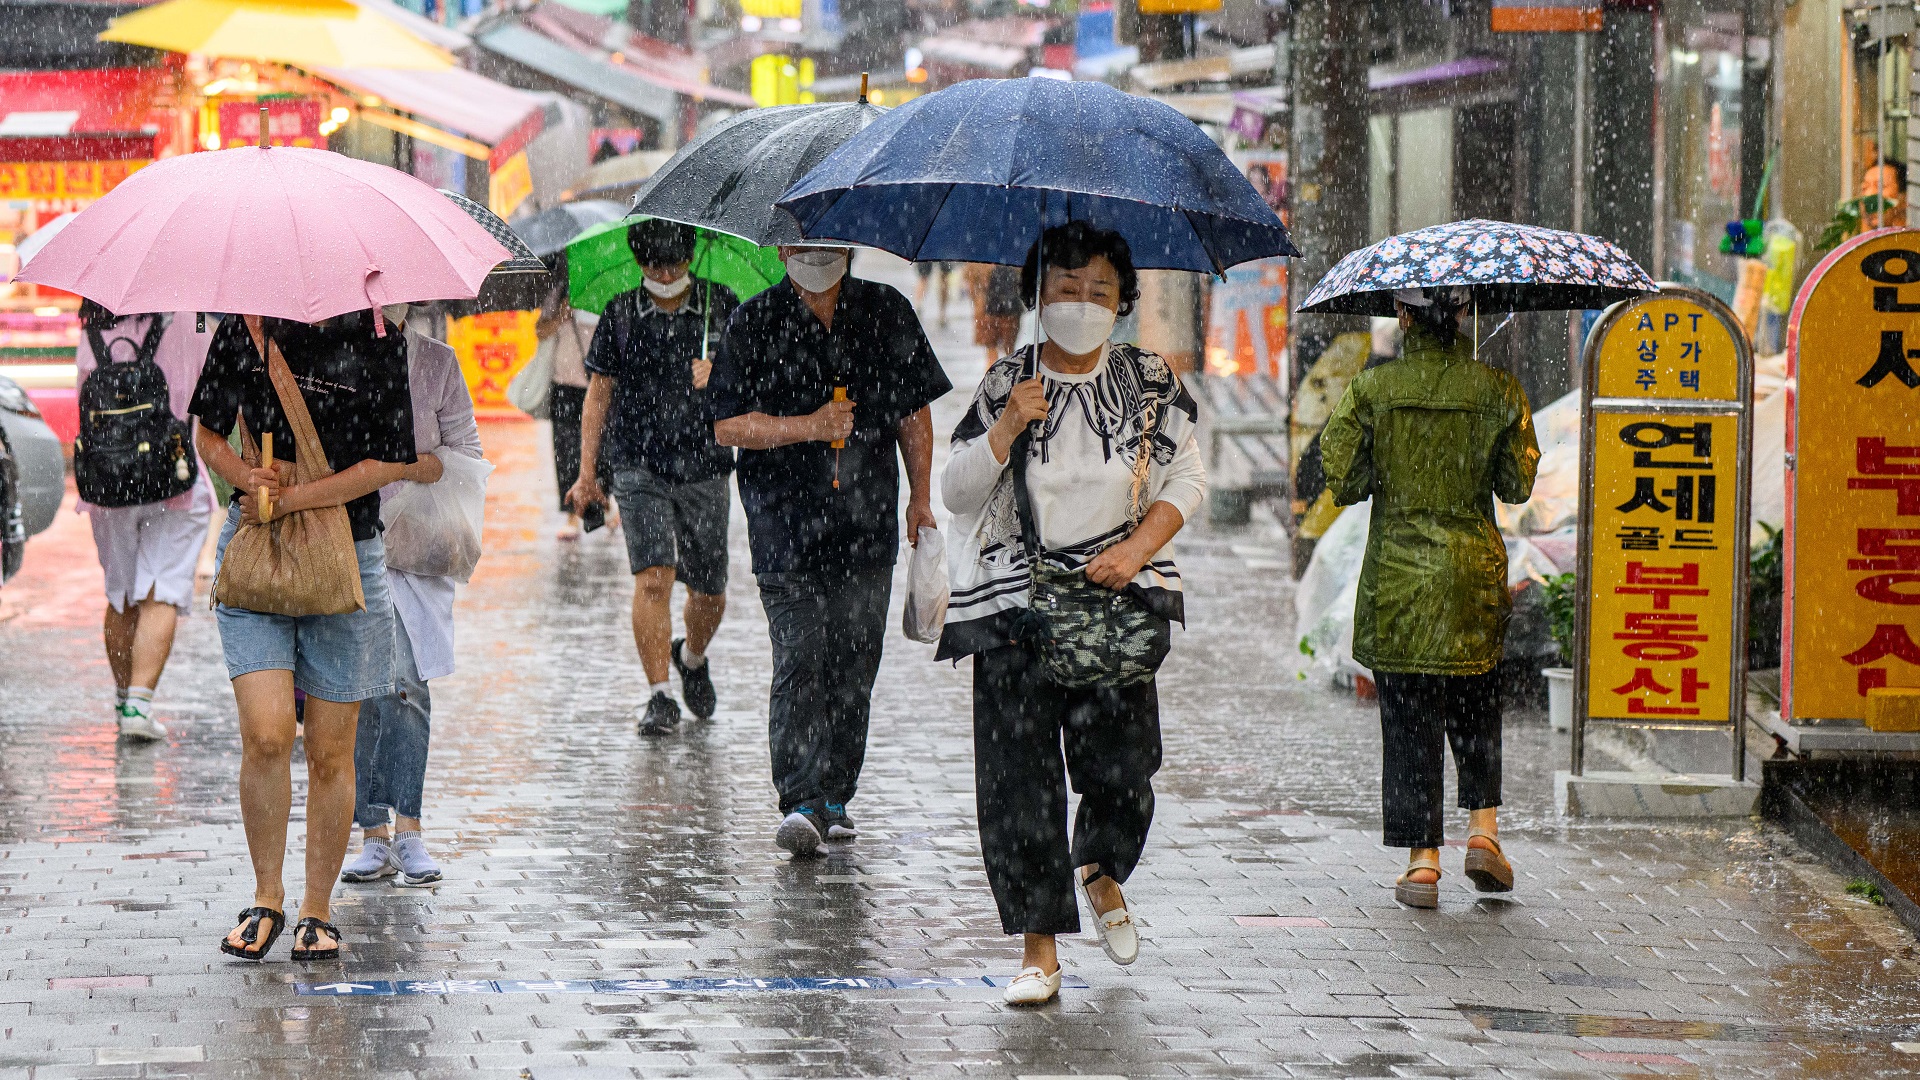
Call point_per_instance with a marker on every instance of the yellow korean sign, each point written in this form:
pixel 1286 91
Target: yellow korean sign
pixel 492 348
pixel 63 179
pixel 1853 489
pixel 1663 567
pixel 510 185
pixel 1663 518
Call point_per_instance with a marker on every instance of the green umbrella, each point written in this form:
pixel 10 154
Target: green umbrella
pixel 600 265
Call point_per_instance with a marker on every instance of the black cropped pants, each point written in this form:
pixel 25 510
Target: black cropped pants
pixel 1419 716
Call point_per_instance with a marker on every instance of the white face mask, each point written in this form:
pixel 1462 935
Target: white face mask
pixel 817 271
pixel 667 290
pixel 396 314
pixel 1078 328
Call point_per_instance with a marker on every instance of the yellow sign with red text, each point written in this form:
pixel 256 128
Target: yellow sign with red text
pixel 1663 515
pixel 492 348
pixel 1853 492
pixel 63 179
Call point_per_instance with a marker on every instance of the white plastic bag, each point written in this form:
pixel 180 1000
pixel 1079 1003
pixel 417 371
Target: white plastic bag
pixel 434 529
pixel 926 613
pixel 532 385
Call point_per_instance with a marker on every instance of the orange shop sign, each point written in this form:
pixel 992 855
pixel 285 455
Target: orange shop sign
pixel 63 179
pixel 1661 633
pixel 1852 615
pixel 492 348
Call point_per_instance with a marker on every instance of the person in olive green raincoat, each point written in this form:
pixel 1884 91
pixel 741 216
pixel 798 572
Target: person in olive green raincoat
pixel 1433 438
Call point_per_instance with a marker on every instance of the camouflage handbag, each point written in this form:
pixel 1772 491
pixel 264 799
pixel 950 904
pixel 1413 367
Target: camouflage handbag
pixel 1087 635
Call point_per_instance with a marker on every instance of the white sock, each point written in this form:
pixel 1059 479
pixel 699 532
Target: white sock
pixel 690 658
pixel 119 696
pixel 140 699
pixel 656 689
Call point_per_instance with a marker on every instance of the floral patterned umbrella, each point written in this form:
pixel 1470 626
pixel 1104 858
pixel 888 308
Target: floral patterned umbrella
pixel 1508 267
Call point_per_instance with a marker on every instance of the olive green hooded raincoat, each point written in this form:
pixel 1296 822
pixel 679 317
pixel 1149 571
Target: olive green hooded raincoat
pixel 1432 437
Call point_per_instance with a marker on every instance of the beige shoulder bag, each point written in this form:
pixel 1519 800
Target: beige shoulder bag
pixel 301 563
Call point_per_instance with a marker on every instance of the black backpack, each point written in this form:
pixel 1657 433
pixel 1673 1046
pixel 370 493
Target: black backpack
pixel 131 450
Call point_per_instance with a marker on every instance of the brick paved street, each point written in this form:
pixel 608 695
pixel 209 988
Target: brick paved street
pixel 581 857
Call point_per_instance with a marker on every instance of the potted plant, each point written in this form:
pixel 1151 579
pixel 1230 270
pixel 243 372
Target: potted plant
pixel 1562 603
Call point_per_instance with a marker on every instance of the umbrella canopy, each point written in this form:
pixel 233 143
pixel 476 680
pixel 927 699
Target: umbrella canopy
pixel 600 265
pixel 524 261
pixel 727 179
pixel 305 33
pixel 288 232
pixel 1508 267
pixel 976 171
pixel 548 231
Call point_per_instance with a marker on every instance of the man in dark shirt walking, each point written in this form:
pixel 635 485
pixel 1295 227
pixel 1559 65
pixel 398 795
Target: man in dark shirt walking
pixel 821 379
pixel 647 409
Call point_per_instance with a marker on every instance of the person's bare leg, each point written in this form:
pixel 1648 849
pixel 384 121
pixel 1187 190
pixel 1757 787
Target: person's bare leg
pixel 329 733
pixel 116 632
pixel 1105 892
pixel 1488 819
pixel 702 613
pixel 653 620
pixel 152 641
pixel 1422 876
pixel 1041 952
pixel 265 700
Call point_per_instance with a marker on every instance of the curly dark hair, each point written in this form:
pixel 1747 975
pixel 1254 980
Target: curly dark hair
pixel 659 242
pixel 1074 245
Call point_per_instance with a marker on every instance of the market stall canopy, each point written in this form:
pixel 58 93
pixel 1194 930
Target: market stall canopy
pixel 1238 64
pixel 460 100
pixel 595 76
pixel 304 33
pixel 617 178
pixel 658 62
pixel 433 33
pixel 997 46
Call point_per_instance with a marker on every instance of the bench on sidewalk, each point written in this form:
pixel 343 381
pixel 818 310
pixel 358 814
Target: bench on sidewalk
pixel 1243 420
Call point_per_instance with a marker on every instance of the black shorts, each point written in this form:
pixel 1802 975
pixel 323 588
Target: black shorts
pixel 679 525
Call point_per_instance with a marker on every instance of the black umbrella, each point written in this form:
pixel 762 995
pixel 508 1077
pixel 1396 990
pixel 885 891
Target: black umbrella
pixel 727 179
pixel 524 261
pixel 549 231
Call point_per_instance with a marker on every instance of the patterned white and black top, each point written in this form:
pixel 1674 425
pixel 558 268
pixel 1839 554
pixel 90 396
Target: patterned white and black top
pixel 1080 478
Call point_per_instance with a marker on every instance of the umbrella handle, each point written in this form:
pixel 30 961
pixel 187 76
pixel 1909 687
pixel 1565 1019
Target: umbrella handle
pixel 266 462
pixel 839 394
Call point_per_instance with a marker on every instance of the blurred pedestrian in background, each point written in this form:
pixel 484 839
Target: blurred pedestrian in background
pixel 354 384
pixel 569 331
pixel 822 379
pixel 939 274
pixel 1083 412
pixel 150 547
pixel 648 426
pixel 390 748
pixel 1432 438
pixel 995 291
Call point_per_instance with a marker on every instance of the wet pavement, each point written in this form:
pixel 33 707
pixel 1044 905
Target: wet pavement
pixel 591 874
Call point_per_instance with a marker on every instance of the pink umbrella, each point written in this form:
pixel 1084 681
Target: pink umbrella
pixel 282 231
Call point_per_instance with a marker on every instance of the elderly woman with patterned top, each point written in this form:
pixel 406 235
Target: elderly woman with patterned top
pixel 1082 410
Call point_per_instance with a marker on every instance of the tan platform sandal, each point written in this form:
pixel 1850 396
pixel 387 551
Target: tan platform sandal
pixel 1489 870
pixel 1419 894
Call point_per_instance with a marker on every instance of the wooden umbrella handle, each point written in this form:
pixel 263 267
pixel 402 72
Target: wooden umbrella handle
pixel 266 462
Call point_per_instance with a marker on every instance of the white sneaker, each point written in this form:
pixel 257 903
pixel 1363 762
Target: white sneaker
pixel 1033 987
pixel 138 725
pixel 1118 935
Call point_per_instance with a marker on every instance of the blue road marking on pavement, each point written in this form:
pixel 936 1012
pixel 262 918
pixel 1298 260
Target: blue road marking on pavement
pixel 410 987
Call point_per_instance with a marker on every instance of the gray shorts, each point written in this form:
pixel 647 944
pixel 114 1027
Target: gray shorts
pixel 679 525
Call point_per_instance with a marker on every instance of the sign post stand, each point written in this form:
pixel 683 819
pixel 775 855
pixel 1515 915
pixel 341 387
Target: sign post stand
pixel 1666 466
pixel 1849 665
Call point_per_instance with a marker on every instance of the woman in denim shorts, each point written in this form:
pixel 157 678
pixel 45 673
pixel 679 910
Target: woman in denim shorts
pixel 353 377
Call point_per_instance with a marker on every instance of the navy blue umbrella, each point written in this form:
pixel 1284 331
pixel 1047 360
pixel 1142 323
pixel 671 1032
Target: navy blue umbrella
pixel 974 172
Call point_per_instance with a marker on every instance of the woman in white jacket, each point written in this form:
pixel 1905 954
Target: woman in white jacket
pixel 390 748
pixel 1088 408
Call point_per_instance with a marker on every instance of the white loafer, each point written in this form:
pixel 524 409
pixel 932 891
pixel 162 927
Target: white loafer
pixel 1033 987
pixel 1118 935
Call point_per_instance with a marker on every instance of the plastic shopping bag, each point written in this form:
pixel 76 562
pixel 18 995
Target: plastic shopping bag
pixel 531 386
pixel 926 613
pixel 434 529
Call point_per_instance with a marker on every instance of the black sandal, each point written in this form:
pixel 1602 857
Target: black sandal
pixel 306 934
pixel 251 933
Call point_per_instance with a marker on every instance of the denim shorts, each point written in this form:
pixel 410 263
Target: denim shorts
pixel 679 525
pixel 333 657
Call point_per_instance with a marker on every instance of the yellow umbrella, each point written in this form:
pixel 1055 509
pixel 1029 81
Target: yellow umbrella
pixel 303 33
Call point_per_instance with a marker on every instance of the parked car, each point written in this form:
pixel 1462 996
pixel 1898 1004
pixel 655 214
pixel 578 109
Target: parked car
pixel 33 474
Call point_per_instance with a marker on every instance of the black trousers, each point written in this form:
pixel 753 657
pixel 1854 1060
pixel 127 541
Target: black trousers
pixel 827 632
pixel 1111 742
pixel 1419 715
pixel 565 404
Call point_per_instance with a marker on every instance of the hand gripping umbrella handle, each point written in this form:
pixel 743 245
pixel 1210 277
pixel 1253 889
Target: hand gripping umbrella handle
pixel 839 394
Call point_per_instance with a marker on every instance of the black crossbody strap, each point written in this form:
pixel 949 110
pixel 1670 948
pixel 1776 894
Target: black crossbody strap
pixel 1017 455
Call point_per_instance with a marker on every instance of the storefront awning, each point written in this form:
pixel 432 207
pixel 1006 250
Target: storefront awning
pixel 461 101
pixel 591 74
pixel 658 62
pixel 42 104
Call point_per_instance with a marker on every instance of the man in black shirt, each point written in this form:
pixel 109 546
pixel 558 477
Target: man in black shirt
pixel 646 425
pixel 820 380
